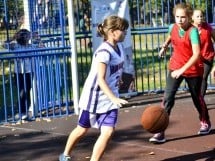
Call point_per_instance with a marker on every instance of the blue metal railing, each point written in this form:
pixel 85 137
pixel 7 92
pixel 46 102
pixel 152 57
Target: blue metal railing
pixel 51 95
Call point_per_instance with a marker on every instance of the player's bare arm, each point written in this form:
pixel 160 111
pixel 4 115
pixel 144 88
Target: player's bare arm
pixel 104 86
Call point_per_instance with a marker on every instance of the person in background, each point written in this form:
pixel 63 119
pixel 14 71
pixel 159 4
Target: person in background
pixel 99 101
pixel 23 40
pixel 184 64
pixel 23 70
pixel 36 40
pixel 84 22
pixel 207 33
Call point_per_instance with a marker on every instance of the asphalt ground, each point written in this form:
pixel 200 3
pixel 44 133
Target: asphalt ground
pixel 44 139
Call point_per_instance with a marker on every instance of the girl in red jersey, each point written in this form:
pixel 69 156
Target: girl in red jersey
pixel 184 64
pixel 207 33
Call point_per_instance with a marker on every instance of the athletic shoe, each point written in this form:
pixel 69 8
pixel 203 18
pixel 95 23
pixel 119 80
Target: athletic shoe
pixel 23 116
pixel 205 128
pixel 63 157
pixel 158 138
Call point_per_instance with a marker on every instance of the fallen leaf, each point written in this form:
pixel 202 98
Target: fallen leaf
pixel 152 153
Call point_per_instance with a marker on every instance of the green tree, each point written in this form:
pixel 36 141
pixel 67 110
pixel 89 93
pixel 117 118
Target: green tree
pixel 11 12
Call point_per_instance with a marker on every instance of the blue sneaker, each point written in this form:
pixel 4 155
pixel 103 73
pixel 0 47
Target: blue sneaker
pixel 205 128
pixel 63 157
pixel 158 138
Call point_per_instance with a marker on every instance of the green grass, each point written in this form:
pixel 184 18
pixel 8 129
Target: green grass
pixel 150 70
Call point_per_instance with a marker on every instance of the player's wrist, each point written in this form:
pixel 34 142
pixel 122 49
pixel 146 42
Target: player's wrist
pixel 164 45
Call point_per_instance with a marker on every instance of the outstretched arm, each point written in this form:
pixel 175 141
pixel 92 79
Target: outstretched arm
pixel 164 46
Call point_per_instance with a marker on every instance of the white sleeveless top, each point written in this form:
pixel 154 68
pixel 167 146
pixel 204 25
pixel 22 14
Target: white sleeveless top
pixel 93 98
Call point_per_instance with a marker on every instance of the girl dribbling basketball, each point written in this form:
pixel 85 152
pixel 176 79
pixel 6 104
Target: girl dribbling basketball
pixel 99 101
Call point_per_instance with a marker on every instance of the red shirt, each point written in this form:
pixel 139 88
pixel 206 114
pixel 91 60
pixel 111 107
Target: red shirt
pixel 207 49
pixel 182 52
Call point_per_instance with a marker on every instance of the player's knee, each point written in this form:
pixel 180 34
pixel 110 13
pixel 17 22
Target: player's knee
pixel 107 131
pixel 80 131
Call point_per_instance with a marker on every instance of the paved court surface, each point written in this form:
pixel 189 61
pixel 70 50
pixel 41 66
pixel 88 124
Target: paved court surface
pixel 44 140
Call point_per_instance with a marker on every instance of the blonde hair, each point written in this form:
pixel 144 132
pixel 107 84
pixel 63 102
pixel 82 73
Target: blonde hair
pixel 112 23
pixel 199 9
pixel 202 12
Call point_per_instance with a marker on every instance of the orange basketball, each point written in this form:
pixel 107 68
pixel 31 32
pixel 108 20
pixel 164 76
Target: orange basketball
pixel 154 119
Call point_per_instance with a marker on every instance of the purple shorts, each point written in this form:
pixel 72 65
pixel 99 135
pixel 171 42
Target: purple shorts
pixel 88 120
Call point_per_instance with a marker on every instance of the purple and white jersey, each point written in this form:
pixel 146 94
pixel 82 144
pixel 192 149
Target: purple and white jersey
pixel 93 98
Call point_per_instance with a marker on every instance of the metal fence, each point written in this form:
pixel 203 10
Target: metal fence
pixel 50 80
pixel 51 91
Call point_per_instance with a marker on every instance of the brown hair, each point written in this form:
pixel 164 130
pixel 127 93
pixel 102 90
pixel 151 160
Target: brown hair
pixel 185 6
pixel 112 23
pixel 23 36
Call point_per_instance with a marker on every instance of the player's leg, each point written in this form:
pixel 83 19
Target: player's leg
pixel 172 86
pixel 101 143
pixel 194 85
pixel 168 103
pixel 76 135
pixel 207 69
pixel 72 140
pixel 106 123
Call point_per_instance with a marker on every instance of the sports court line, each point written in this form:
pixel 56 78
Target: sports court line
pixel 149 147
pixel 124 143
pixel 32 130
